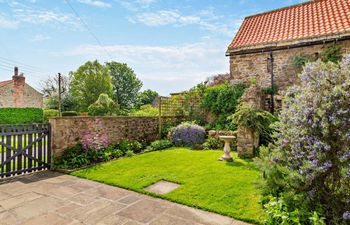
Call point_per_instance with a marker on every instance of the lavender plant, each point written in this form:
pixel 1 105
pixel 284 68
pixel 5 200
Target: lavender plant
pixel 187 134
pixel 309 165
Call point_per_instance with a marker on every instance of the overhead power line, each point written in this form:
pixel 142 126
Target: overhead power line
pixel 11 61
pixel 88 29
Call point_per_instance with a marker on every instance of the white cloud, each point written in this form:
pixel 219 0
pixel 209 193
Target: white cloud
pixel 40 37
pixel 50 17
pixel 21 13
pixel 159 18
pixel 136 5
pixel 7 23
pixel 205 19
pixel 96 3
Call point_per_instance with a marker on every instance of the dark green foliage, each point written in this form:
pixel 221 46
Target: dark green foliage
pixel 146 97
pixel 271 90
pixel 77 157
pixel 69 103
pixel 300 61
pixel 50 113
pixel 69 113
pixel 74 157
pixel 223 98
pixel 331 54
pixel 213 143
pixel 222 101
pixel 21 115
pixel 125 83
pixel 159 145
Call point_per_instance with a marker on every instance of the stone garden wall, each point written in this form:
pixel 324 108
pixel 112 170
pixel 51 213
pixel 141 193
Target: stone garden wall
pixel 67 131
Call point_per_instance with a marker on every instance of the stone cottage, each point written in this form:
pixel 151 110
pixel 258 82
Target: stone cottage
pixel 16 93
pixel 268 43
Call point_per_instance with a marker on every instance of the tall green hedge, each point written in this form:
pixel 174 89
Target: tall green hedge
pixel 21 115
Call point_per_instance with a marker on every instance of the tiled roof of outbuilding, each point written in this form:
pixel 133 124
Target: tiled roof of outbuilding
pixel 6 82
pixel 320 19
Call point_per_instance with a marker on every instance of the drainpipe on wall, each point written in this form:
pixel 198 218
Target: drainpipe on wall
pixel 272 105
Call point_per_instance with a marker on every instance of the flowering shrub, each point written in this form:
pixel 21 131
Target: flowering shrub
pixel 187 134
pixel 96 136
pixel 310 162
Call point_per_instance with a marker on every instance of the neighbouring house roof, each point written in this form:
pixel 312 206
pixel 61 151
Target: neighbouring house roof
pixel 4 83
pixel 303 23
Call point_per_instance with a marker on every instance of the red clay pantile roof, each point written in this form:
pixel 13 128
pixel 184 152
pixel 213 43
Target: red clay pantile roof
pixel 286 26
pixel 6 82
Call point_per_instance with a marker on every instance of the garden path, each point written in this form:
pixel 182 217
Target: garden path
pixel 54 198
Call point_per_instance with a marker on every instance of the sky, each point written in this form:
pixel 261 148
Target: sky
pixel 172 45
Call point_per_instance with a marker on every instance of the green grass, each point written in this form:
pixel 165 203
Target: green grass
pixel 230 189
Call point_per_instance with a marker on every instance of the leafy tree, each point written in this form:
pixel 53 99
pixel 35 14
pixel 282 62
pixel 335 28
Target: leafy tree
pixel 146 97
pixel 103 106
pixel 125 84
pixel 88 82
pixel 69 103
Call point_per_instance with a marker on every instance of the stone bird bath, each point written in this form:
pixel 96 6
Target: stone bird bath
pixel 227 149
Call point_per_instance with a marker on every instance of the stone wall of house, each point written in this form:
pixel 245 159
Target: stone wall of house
pixel 245 67
pixel 6 96
pixel 31 98
pixel 18 94
pixel 68 131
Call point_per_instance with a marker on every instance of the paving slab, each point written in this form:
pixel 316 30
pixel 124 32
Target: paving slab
pixel 53 198
pixel 144 211
pixel 162 187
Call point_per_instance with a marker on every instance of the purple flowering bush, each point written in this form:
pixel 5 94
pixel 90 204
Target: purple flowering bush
pixel 187 134
pixel 309 164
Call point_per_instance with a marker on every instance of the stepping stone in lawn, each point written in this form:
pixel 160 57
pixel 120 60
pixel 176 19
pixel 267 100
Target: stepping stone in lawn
pixel 162 187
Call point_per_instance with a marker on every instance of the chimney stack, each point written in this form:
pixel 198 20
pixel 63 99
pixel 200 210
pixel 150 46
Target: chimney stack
pixel 19 79
pixel 16 71
pixel 19 82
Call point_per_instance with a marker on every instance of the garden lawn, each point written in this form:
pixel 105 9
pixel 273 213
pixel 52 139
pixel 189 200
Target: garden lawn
pixel 230 189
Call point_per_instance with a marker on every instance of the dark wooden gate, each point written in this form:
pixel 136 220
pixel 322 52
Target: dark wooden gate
pixel 24 148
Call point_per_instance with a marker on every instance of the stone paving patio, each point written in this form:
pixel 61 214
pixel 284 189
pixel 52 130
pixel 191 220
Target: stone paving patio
pixel 54 198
